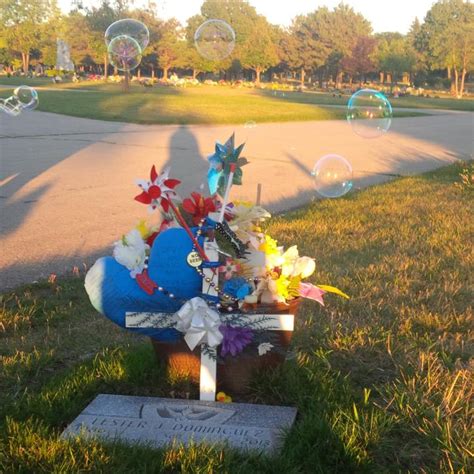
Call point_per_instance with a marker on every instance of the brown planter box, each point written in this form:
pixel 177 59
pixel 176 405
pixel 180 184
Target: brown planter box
pixel 233 376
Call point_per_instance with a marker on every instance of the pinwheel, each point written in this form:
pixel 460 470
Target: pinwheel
pixel 158 191
pixel 225 166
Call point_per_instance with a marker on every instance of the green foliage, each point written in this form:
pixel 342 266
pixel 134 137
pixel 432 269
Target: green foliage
pixel 395 54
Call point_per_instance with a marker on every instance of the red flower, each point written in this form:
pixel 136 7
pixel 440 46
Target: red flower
pixel 158 190
pixel 199 207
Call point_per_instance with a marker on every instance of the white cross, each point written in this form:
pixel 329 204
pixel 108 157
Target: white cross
pixel 208 374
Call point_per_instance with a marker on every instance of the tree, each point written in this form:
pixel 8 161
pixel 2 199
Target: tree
pixel 360 61
pixel 304 48
pixel 395 54
pixel 170 47
pixel 259 52
pixel 340 30
pixel 449 29
pixel 24 23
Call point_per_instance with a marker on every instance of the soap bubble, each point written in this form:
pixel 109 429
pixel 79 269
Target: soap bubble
pixel 214 39
pixel 27 97
pixel 124 53
pixel 369 112
pixel 332 176
pixel 132 28
pixel 11 106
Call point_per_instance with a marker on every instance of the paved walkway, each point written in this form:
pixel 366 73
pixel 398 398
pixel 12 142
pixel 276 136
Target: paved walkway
pixel 67 184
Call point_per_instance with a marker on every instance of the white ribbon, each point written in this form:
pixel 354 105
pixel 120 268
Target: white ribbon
pixel 199 323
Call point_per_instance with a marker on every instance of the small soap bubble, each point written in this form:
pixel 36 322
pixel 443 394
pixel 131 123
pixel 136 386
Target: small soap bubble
pixel 214 40
pixel 128 27
pixel 250 124
pixel 124 53
pixel 370 113
pixel 332 175
pixel 27 97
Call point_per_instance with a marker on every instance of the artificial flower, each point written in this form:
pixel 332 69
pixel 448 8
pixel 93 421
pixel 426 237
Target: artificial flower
pixel 307 290
pixel 235 339
pixel 273 253
pixel 158 191
pixel 199 207
pixel 222 397
pixel 264 347
pixel 237 287
pixel 244 217
pixel 279 287
pixel 143 228
pixel 304 267
pixel 131 251
pixel 229 268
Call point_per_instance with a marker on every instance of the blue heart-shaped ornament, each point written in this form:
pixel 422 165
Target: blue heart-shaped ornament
pixel 113 292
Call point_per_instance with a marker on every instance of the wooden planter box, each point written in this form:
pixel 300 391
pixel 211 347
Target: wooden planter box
pixel 234 374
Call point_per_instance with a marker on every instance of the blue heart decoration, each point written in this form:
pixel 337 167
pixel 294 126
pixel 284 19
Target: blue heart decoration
pixel 113 292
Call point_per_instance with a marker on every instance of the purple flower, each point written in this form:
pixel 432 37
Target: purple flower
pixel 235 339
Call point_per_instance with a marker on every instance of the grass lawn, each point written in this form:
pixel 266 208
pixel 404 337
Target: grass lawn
pixel 382 382
pixel 193 105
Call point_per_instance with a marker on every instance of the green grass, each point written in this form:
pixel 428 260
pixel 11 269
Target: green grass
pixel 382 382
pixel 194 105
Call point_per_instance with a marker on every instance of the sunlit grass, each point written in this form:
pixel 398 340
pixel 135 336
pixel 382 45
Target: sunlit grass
pixel 194 105
pixel 382 382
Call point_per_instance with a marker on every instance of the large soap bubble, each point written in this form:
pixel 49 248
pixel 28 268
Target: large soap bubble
pixel 27 97
pixel 369 112
pixel 124 53
pixel 332 176
pixel 11 106
pixel 214 39
pixel 132 28
pixel 23 98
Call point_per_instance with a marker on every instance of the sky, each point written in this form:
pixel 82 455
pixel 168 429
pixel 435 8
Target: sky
pixel 385 15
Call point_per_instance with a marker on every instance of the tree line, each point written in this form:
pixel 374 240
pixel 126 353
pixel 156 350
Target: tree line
pixel 325 45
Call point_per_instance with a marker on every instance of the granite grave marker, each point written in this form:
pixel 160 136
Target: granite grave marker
pixel 160 421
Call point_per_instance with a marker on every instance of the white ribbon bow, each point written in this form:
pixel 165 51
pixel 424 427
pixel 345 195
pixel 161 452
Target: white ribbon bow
pixel 199 323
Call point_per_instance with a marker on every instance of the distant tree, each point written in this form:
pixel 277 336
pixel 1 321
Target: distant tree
pixel 395 54
pixel 98 20
pixel 192 59
pixel 449 31
pixel 24 22
pixel 259 52
pixel 304 48
pixel 340 30
pixel 360 61
pixel 170 47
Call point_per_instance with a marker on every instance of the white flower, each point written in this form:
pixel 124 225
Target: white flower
pixel 130 252
pixel 304 267
pixel 290 257
pixel 264 347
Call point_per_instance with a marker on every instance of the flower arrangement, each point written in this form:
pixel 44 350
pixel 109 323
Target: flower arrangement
pixel 245 274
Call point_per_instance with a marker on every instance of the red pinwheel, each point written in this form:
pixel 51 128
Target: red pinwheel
pixel 158 191
pixel 199 206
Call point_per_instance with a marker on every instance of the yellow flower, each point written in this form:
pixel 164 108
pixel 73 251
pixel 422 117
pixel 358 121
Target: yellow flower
pixel 243 203
pixel 282 285
pixel 144 230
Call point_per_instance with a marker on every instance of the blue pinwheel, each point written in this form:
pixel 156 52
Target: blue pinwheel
pixel 225 158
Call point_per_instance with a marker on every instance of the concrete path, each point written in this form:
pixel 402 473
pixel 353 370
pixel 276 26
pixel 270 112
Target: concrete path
pixel 67 184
